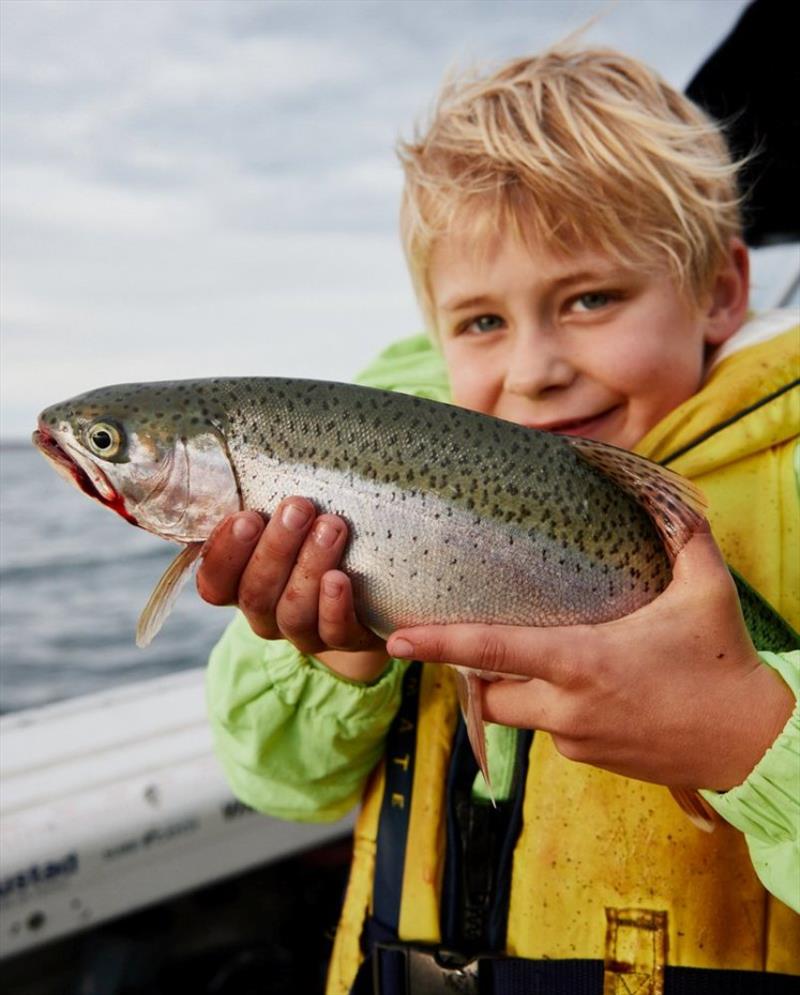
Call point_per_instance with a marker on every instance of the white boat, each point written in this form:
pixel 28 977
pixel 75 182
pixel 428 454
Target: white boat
pixel 114 802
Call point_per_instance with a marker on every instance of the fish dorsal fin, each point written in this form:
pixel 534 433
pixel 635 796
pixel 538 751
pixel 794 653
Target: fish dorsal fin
pixel 471 702
pixel 165 593
pixel 674 503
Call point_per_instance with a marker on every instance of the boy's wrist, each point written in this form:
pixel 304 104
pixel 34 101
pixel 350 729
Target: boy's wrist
pixel 361 667
pixel 768 707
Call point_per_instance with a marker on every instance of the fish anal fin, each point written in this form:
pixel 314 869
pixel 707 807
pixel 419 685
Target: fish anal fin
pixel 468 685
pixel 165 593
pixel 699 812
pixel 675 504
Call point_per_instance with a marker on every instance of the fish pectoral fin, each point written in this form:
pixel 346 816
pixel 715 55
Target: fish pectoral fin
pixel 165 593
pixel 700 813
pixel 676 505
pixel 471 702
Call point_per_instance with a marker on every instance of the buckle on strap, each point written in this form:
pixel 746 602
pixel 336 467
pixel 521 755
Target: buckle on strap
pixel 423 970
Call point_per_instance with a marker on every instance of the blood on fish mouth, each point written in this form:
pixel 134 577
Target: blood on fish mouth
pixel 67 466
pixel 45 442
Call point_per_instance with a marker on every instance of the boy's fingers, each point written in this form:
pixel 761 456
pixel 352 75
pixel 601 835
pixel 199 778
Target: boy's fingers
pixel 297 611
pixel 225 557
pixel 271 564
pixel 501 649
pixel 339 627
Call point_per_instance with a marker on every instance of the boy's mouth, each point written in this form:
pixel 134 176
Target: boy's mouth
pixel 587 426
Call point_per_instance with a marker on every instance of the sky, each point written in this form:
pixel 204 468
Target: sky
pixel 199 188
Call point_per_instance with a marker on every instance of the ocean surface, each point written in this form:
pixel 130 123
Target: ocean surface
pixel 73 579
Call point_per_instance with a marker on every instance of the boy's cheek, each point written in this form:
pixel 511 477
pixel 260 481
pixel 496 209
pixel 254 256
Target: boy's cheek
pixel 470 382
pixel 472 390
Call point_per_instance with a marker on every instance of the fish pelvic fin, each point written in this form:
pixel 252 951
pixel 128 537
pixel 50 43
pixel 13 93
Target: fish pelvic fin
pixel 165 593
pixel 699 812
pixel 676 506
pixel 468 686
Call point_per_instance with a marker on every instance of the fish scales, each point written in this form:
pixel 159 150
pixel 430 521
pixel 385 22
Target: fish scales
pixel 405 477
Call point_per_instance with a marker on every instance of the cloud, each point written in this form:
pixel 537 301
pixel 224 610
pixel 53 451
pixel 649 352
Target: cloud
pixel 191 188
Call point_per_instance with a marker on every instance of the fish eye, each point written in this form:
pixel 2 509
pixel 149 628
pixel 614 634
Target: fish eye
pixel 104 439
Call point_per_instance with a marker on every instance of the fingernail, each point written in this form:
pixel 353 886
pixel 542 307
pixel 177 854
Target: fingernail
pixel 294 517
pixel 326 534
pixel 400 648
pixel 331 587
pixel 245 528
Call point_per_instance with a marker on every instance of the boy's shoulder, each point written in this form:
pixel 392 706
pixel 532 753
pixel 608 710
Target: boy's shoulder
pixel 760 327
pixel 749 402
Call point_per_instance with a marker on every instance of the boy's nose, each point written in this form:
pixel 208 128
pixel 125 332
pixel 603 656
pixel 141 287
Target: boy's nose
pixel 535 367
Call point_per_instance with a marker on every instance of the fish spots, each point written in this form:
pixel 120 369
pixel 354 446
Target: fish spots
pixel 440 472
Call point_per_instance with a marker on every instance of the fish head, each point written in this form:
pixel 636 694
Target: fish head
pixel 154 453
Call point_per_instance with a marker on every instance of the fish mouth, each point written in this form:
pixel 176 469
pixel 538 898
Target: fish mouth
pixel 84 475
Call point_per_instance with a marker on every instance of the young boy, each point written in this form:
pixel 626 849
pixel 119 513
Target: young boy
pixel 572 228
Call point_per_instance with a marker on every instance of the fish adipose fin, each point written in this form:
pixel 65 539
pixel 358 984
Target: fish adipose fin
pixel 700 813
pixel 675 504
pixel 468 685
pixel 165 593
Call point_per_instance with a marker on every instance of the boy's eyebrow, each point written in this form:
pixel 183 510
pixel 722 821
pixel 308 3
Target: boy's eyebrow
pixel 457 304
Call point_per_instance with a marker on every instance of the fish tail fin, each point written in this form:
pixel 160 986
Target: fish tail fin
pixel 700 813
pixel 675 504
pixel 165 593
pixel 471 702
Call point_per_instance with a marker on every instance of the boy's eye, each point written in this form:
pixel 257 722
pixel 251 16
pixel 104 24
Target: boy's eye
pixel 484 323
pixel 592 301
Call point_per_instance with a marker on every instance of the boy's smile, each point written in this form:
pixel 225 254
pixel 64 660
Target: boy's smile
pixel 576 344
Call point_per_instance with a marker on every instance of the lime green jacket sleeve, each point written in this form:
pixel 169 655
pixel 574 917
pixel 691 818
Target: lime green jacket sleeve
pixel 296 741
pixel 766 806
pixel 410 366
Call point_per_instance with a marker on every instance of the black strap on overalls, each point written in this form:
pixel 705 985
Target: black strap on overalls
pixel 480 844
pixel 400 756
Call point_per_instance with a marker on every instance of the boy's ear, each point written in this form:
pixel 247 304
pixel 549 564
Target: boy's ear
pixel 726 308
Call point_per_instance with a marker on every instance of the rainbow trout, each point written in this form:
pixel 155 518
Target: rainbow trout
pixel 454 516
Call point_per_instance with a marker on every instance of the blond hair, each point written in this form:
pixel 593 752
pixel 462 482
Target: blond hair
pixel 573 149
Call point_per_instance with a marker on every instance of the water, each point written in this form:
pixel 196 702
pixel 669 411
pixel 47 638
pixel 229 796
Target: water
pixel 73 579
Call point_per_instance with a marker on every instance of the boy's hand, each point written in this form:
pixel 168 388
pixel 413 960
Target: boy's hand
pixel 282 575
pixel 674 693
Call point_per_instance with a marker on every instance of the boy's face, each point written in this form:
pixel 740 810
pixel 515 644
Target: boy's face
pixel 577 344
